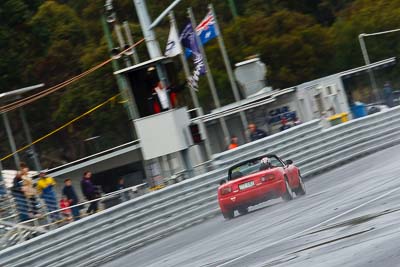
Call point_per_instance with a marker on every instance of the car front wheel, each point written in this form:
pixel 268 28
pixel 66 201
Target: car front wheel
pixel 288 195
pixel 301 190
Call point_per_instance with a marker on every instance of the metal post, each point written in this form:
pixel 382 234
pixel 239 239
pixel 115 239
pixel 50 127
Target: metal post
pixel 228 67
pixel 185 64
pixel 187 163
pixel 128 34
pixel 3 190
pixel 209 76
pixel 233 8
pixel 193 93
pixel 11 140
pixel 367 62
pixel 121 81
pixel 151 42
pixel 121 41
pixel 25 125
pixel 144 19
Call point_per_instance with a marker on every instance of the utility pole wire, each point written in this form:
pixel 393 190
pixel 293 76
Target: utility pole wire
pixel 27 100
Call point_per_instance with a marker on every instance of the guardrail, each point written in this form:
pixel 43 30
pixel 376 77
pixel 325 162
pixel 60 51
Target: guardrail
pixel 135 223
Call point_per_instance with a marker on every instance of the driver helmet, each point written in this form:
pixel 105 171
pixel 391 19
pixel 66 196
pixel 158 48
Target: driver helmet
pixel 266 161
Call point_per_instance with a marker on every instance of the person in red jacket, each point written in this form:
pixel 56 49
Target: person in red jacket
pixel 64 204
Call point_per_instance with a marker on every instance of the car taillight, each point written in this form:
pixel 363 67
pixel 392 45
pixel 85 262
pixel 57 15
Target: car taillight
pixel 226 190
pixel 267 177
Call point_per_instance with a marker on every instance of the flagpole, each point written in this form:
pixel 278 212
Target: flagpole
pixel 228 67
pixel 209 76
pixel 196 103
pixel 128 34
pixel 184 63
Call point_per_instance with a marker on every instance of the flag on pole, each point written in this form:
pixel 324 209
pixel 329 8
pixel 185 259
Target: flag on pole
pixel 173 45
pixel 188 40
pixel 206 28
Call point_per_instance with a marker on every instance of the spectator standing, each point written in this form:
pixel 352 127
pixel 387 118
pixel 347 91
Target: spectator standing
pixel 388 94
pixel 19 197
pixel 64 204
pixel 284 125
pixel 45 188
pixel 72 198
pixel 121 185
pixel 90 192
pixel 29 190
pixel 234 142
pixel 255 133
pixel 296 121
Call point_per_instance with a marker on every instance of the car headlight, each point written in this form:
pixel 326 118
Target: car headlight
pixel 226 190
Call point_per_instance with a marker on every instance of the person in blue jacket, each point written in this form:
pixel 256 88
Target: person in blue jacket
pixel 90 192
pixel 255 133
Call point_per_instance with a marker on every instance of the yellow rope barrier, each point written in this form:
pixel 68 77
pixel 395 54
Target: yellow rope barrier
pixel 61 127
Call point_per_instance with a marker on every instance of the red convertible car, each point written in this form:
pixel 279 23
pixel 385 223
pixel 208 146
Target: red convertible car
pixel 257 180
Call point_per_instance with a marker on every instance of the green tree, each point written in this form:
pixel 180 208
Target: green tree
pixel 366 16
pixel 293 45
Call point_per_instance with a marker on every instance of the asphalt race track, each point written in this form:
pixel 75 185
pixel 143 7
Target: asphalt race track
pixel 349 217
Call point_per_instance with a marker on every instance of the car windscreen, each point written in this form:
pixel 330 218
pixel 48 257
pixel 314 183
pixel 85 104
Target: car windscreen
pixel 252 166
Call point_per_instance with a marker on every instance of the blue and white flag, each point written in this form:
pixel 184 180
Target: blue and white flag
pixel 206 29
pixel 188 40
pixel 173 45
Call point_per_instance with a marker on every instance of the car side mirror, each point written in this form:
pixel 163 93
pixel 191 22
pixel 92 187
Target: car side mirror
pixel 289 162
pixel 222 182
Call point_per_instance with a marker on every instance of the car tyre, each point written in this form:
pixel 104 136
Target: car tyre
pixel 301 190
pixel 288 195
pixel 243 210
pixel 229 214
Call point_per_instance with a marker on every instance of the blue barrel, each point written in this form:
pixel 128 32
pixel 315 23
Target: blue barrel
pixel 358 110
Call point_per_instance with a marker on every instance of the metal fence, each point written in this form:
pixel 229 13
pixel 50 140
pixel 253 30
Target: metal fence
pixel 137 222
pixel 28 218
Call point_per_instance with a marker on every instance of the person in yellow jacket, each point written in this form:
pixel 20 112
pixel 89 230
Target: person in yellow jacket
pixel 45 188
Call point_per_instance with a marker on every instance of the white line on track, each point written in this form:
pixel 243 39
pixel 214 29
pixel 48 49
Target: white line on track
pixel 309 229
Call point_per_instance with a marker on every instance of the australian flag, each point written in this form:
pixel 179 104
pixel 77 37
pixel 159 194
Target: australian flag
pixel 188 40
pixel 206 29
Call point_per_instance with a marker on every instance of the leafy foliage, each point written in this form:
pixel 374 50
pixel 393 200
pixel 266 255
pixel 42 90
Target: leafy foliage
pixel 51 41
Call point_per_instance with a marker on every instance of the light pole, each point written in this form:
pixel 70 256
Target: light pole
pixel 16 94
pixel 367 60
pixel 233 8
